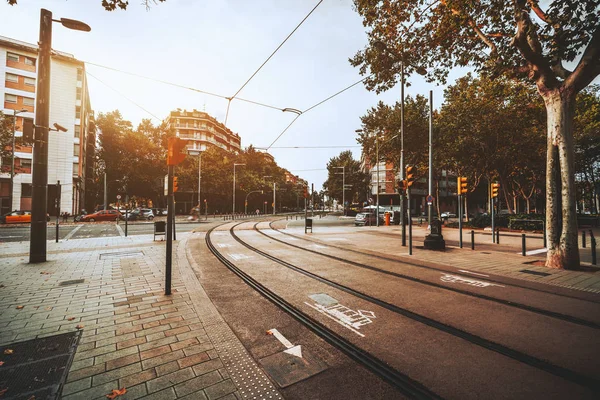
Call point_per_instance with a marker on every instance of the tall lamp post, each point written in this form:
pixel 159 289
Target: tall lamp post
pixel 39 179
pixel 233 208
pixel 246 200
pixel 193 152
pixel 343 167
pixel 12 164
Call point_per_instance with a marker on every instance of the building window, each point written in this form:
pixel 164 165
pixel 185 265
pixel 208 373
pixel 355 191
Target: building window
pixel 79 74
pixel 25 163
pixel 28 101
pixel 78 112
pixel 12 57
pixel 30 81
pixel 76 149
pixel 78 96
pixel 75 169
pixel 77 131
pixel 12 78
pixel 10 98
pixel 29 61
pixel 26 189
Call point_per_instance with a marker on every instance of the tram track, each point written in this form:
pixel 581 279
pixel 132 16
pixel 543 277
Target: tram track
pixel 565 373
pixel 400 381
pixel 537 310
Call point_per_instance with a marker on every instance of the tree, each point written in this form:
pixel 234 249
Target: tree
pixel 110 5
pixel 6 132
pixel 357 182
pixel 522 41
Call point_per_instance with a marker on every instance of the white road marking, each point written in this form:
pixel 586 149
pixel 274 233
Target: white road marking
pixel 334 239
pixel 533 252
pixel 459 279
pixel 473 273
pixel 73 231
pixel 223 245
pixel 345 316
pixel 10 237
pixel 238 257
pixel 291 349
pixel 317 246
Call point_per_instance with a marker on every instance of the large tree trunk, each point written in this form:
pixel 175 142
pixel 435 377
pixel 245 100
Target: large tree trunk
pixel 561 219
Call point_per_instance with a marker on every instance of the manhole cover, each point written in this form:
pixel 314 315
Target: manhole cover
pixel 121 254
pixel 37 368
pixel 528 271
pixel 287 369
pixel 71 282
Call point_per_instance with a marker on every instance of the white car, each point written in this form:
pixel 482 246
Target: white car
pixel 448 214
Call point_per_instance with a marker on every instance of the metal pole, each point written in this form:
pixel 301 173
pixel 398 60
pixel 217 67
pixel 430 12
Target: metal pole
pixel 430 206
pixel 583 239
pixel 199 182
pixel 312 200
pixel 12 165
pixel 127 211
pixel 593 244
pixel 58 194
pixel 233 206
pixel 409 223
pixel 377 161
pixel 402 152
pixel 39 179
pixel 344 188
pixel 523 245
pixel 472 240
pixel 105 193
pixel 493 222
pixel 169 231
pixel 460 242
pixel 274 192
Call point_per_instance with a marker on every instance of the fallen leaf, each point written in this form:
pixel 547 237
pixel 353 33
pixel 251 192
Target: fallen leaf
pixel 2 391
pixel 20 307
pixel 31 398
pixel 70 318
pixel 48 308
pixel 1 363
pixel 79 327
pixel 9 351
pixel 116 392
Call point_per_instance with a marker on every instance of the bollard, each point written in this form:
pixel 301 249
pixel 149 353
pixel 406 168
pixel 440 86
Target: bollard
pixel 472 240
pixel 583 239
pixel 523 245
pixel 498 236
pixel 593 244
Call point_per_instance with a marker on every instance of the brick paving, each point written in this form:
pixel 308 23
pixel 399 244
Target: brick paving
pixel 134 336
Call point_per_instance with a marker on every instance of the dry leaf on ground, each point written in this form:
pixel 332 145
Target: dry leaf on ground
pixel 2 391
pixel 79 327
pixel 1 363
pixel 20 307
pixel 116 392
pixel 8 351
pixel 70 318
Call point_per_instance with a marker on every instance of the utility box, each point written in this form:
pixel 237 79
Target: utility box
pixel 160 228
pixel 308 225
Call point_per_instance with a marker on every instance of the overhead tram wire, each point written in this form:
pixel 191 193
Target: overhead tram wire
pixel 183 86
pixel 121 94
pixel 314 106
pixel 267 60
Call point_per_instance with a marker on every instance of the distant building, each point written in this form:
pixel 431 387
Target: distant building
pixel 70 154
pixel 202 131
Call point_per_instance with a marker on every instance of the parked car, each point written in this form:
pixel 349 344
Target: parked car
pixel 146 213
pixel 367 218
pixel 448 214
pixel 159 211
pixel 103 215
pixel 16 217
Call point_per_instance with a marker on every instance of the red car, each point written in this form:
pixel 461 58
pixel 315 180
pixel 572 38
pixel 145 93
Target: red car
pixel 102 215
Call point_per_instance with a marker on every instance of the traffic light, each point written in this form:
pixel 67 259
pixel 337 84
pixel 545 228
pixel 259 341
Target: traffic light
pixel 495 188
pixel 461 187
pixel 174 154
pixel 410 176
pixel 175 184
pixel 28 129
pixel 402 184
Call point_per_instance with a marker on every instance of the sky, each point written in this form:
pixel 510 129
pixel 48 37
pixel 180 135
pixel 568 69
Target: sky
pixel 216 46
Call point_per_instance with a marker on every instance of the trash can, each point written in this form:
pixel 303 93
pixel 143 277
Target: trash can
pixel 308 225
pixel 160 228
pixel 387 219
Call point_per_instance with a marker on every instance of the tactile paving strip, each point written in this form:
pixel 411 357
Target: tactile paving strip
pixel 245 373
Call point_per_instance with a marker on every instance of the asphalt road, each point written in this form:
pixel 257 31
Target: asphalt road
pixel 84 230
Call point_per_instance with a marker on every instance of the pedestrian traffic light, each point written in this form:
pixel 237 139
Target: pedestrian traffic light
pixel 175 184
pixel 174 154
pixel 495 188
pixel 461 185
pixel 410 176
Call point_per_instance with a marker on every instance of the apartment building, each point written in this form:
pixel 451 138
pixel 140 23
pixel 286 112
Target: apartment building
pixel 70 153
pixel 202 131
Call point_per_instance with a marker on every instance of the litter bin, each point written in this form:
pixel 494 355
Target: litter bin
pixel 308 225
pixel 160 228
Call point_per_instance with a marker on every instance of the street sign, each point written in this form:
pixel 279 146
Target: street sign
pixel 429 199
pixel 118 197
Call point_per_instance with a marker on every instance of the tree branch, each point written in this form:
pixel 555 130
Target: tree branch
pixel 538 11
pixel 589 65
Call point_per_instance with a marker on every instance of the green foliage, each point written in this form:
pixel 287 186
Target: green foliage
pixel 357 182
pixel 110 5
pixel 6 132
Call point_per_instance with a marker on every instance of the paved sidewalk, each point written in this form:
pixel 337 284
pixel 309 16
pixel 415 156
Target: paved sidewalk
pixel 134 337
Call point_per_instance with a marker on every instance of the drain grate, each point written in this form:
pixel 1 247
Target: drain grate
pixel 121 254
pixel 528 271
pixel 71 282
pixel 37 368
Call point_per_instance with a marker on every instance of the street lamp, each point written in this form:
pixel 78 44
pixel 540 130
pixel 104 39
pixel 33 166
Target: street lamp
pixel 274 191
pixel 233 208
pixel 246 201
pixel 12 165
pixel 39 178
pixel 343 167
pixel 192 152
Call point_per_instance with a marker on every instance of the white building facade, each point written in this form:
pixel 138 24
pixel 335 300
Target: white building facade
pixel 70 154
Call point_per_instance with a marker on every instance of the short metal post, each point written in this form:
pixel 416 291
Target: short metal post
pixel 498 236
pixel 523 245
pixel 544 233
pixel 593 244
pixel 409 224
pixel 472 240
pixel 583 239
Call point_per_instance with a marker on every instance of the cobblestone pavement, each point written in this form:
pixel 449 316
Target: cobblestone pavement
pixel 155 346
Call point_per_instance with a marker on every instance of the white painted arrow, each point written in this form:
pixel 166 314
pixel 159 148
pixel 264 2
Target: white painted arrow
pixel 291 349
